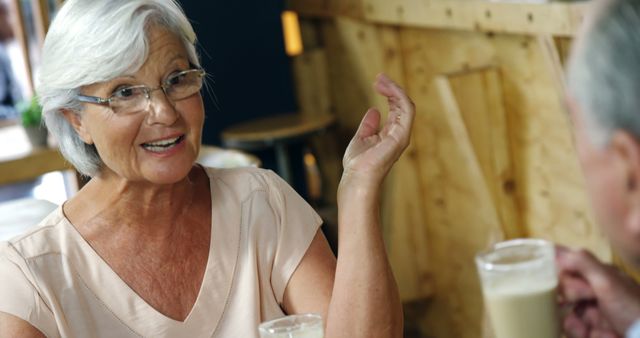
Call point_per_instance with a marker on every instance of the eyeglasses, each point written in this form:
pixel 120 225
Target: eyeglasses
pixel 133 99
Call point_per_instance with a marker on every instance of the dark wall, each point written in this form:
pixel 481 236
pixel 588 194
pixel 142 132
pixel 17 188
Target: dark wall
pixel 242 48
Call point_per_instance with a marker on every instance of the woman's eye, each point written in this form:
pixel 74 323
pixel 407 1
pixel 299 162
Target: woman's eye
pixel 123 93
pixel 175 79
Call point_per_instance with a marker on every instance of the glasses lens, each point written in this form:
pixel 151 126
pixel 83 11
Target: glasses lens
pixel 129 100
pixel 184 84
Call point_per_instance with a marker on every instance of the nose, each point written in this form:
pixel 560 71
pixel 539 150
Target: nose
pixel 160 109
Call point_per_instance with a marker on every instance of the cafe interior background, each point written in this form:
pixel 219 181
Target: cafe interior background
pixel 491 155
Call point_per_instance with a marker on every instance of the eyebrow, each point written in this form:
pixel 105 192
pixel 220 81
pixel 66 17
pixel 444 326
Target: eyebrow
pixel 172 60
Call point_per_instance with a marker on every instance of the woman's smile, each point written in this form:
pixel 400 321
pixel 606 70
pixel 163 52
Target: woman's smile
pixel 165 146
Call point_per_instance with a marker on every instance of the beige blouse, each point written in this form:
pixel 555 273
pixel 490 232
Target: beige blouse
pixel 260 231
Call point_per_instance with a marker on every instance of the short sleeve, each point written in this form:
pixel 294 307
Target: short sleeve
pixel 634 330
pixel 18 296
pixel 297 225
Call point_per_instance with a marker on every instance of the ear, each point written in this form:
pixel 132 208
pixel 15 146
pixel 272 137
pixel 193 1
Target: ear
pixel 626 150
pixel 76 122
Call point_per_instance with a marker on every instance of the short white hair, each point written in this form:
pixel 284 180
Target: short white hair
pixel 92 41
pixel 604 70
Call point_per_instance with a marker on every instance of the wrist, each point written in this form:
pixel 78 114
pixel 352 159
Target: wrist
pixel 358 189
pixel 361 181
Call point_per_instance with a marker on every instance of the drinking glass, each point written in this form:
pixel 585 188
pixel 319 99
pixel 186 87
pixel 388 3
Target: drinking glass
pixel 519 282
pixel 294 326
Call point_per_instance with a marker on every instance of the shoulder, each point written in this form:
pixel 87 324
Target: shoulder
pixel 22 307
pixel 45 238
pixel 18 254
pixel 244 182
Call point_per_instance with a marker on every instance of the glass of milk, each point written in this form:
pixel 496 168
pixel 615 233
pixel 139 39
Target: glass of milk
pixel 519 281
pixel 294 326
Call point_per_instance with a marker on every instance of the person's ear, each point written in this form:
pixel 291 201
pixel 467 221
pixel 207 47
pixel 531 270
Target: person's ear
pixel 76 122
pixel 626 150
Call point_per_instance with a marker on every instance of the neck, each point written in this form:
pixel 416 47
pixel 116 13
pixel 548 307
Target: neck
pixel 140 207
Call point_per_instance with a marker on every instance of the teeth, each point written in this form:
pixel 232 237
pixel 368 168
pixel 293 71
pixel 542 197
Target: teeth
pixel 161 146
pixel 162 143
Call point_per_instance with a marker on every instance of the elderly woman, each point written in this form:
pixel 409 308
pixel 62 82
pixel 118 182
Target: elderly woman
pixel 157 246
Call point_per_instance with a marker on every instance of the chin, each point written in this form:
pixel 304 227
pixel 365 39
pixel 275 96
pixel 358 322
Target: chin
pixel 169 175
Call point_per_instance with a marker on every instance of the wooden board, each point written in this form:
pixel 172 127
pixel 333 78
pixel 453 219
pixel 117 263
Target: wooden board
pixel 556 19
pixel 358 53
pixel 473 108
pixel 435 215
pixel 313 92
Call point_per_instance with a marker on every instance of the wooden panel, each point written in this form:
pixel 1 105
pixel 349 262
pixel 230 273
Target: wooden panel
pixel 560 19
pixel 456 217
pixel 436 216
pixel 357 53
pixel 473 108
pixel 554 204
pixel 312 81
pixel 313 92
pixel 328 8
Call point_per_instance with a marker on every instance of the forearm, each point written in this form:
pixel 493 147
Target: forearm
pixel 365 300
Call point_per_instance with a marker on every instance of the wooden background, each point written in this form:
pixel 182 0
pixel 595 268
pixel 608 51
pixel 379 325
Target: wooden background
pixel 492 154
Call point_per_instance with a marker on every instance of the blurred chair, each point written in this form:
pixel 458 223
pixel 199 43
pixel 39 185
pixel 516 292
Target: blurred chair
pixel 277 133
pixel 20 215
pixel 216 157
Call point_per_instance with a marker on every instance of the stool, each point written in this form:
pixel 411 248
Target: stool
pixel 276 132
pixel 216 157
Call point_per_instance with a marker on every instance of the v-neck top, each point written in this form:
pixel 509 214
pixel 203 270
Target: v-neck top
pixel 260 230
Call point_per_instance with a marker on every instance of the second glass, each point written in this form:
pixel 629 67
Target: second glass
pixel 519 282
pixel 294 326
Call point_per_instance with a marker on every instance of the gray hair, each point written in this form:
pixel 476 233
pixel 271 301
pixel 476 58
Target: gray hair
pixel 92 41
pixel 604 72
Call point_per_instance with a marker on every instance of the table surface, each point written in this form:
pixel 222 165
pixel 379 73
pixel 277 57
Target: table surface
pixel 277 128
pixel 19 161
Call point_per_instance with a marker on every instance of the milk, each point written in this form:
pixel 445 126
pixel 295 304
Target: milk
pixel 306 333
pixel 293 326
pixel 523 309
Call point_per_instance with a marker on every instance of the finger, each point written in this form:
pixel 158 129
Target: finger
pixel 574 289
pixel 561 249
pixel 574 327
pixel 582 263
pixel 594 318
pixel 370 124
pixel 399 103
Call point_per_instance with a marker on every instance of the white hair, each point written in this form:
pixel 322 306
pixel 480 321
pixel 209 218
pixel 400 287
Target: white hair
pixel 604 71
pixel 92 41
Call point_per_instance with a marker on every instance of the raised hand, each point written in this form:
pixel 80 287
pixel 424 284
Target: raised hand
pixel 602 301
pixel 373 151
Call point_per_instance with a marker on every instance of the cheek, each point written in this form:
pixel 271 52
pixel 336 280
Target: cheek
pixel 114 138
pixel 607 191
pixel 194 114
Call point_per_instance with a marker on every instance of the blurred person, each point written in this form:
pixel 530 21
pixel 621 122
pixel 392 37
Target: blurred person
pixel 155 245
pixel 604 101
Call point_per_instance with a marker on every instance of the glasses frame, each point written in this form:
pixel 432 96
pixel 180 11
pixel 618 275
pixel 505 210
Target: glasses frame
pixel 146 89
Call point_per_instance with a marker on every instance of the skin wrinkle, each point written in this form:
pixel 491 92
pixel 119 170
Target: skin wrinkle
pixel 138 198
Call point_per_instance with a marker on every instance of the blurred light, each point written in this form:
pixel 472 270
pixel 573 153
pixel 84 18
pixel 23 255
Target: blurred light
pixel 292 36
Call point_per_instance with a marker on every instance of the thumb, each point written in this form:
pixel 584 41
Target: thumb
pixel 582 263
pixel 370 124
